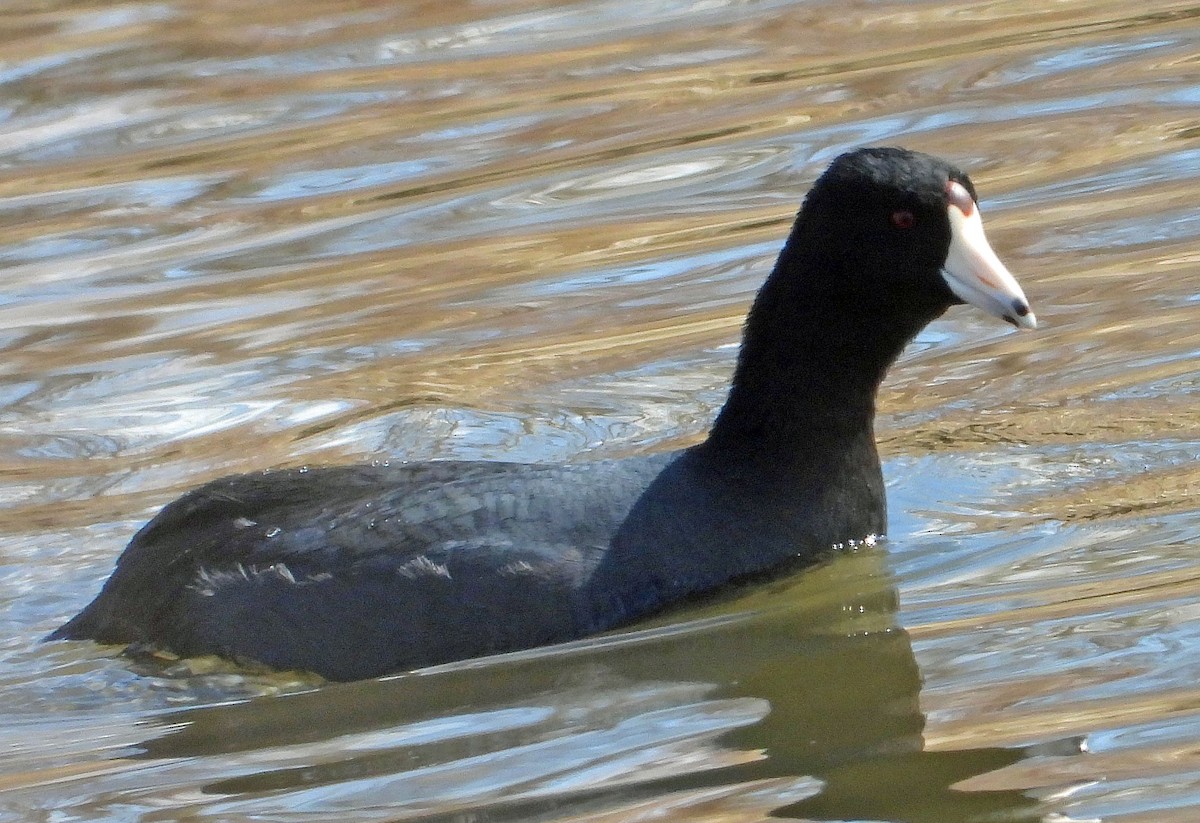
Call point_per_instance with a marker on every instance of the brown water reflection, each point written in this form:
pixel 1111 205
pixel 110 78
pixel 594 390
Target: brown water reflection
pixel 236 236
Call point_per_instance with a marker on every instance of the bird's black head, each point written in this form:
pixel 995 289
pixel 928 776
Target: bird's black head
pixel 895 235
pixel 886 241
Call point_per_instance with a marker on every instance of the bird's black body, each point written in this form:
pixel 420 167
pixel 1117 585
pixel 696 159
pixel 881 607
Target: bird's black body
pixel 362 570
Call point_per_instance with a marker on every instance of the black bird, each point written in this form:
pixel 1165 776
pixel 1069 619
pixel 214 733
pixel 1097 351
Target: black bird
pixel 358 571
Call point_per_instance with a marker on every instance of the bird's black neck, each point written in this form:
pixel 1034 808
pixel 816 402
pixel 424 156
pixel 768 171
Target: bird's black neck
pixel 813 355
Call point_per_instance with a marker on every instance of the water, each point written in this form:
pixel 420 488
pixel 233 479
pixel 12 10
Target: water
pixel 236 236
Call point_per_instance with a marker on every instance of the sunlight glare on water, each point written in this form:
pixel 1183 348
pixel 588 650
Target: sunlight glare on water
pixel 241 236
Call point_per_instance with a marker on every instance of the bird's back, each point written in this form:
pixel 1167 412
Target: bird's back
pixel 360 570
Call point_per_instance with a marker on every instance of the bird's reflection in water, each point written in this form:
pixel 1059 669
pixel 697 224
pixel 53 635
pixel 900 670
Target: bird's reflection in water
pixel 797 698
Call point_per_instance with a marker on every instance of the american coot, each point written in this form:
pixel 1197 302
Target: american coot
pixel 357 571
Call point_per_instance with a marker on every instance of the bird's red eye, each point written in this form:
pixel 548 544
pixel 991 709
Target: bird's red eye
pixel 903 219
